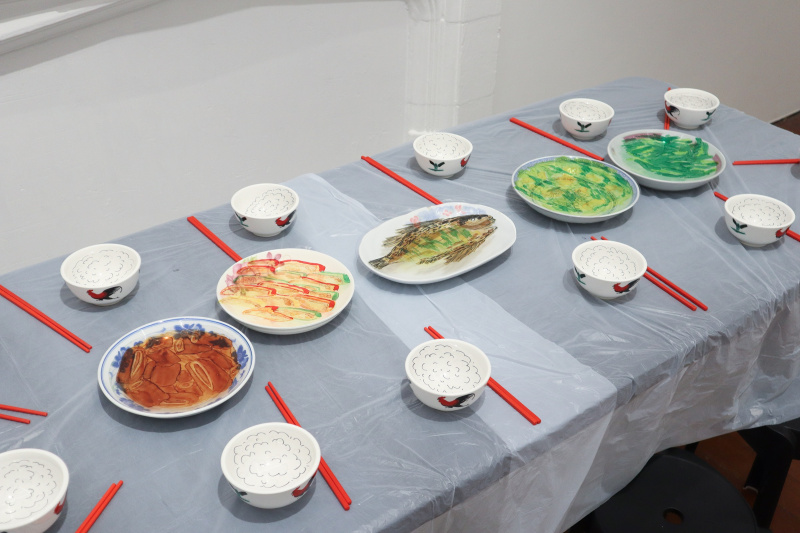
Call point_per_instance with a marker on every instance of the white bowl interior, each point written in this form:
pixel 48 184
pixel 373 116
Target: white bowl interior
pixel 270 458
pixel 264 200
pixel 448 367
pixel 609 261
pixel 32 483
pixel 759 211
pixel 100 265
pixel 694 99
pixel 586 109
pixel 442 146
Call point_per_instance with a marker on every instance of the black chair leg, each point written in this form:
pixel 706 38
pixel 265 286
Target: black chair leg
pixel 777 463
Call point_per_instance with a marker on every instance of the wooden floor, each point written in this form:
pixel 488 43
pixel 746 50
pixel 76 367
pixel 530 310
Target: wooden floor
pixel 732 457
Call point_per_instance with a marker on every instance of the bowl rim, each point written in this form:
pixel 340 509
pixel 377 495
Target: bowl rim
pixel 592 100
pixel 61 493
pixel 445 134
pixel 481 355
pixel 267 186
pixel 639 273
pixel 593 218
pixel 732 200
pixel 265 426
pixel 90 249
pixel 689 90
pixel 166 415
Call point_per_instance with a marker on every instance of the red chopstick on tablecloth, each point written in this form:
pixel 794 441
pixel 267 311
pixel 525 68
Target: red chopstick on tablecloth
pixel 552 137
pixel 789 233
pixel 216 240
pixel 652 279
pixel 324 469
pixel 666 115
pixel 400 179
pixel 19 410
pixel 496 387
pixel 44 319
pixel 99 508
pixel 768 162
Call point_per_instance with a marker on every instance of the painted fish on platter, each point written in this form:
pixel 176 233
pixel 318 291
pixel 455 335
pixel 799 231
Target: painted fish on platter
pixel 436 243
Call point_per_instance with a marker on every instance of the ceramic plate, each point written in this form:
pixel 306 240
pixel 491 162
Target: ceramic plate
pixel 575 189
pixel 436 243
pixel 666 160
pixel 176 367
pixel 285 291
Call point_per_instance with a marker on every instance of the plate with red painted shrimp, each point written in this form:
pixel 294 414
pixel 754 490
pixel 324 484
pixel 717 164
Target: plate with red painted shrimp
pixel 285 291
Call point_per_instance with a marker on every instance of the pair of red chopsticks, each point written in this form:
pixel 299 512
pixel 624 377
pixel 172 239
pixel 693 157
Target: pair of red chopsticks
pixel 99 508
pixel 670 288
pixel 324 469
pixel 552 137
pixel 495 386
pixel 19 410
pixel 789 233
pixel 666 115
pixel 768 162
pixel 400 179
pixel 44 319
pixel 216 240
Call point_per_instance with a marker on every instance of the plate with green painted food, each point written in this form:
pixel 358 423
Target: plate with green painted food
pixel 285 291
pixel 575 189
pixel 666 160
pixel 436 243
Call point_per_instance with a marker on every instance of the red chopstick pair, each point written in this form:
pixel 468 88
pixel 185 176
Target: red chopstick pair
pixel 789 233
pixel 670 288
pixel 768 162
pixel 216 240
pixel 400 179
pixel 496 387
pixel 666 115
pixel 99 508
pixel 552 137
pixel 324 469
pixel 19 410
pixel 44 319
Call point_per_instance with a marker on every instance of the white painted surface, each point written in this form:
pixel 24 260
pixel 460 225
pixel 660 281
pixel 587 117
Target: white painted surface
pixel 167 110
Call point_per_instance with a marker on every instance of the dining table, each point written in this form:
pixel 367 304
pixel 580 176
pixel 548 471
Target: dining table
pixel 613 381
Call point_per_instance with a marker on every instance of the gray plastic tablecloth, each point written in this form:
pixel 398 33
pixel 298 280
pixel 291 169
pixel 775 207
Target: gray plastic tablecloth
pixel 612 381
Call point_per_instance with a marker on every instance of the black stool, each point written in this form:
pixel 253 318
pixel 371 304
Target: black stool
pixel 675 492
pixel 776 447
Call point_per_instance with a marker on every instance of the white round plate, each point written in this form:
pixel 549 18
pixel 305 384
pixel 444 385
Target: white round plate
pixel 468 235
pixel 178 327
pixel 572 203
pixel 285 291
pixel 652 170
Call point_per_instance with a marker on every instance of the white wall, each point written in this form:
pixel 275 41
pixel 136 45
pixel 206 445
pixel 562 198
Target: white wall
pixel 161 112
pixel 745 52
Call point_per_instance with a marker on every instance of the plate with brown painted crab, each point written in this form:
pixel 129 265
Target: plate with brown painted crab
pixel 436 243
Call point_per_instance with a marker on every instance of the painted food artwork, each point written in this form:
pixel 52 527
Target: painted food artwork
pixel 608 262
pixel 760 211
pixel 436 243
pixel 669 157
pixel 270 203
pixel 585 113
pixel 446 369
pixel 442 146
pixel 575 186
pixel 181 369
pixel 27 488
pixel 272 460
pixel 103 268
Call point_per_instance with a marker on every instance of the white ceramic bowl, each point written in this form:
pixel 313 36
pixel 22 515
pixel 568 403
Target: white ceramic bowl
pixel 447 374
pixel 102 274
pixel 757 220
pixel 690 108
pixel 584 118
pixel 265 209
pixel 33 490
pixel 442 154
pixel 607 269
pixel 271 465
pixel 176 367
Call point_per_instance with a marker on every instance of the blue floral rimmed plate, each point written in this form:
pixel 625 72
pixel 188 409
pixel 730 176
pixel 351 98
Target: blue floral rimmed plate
pixel 176 367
